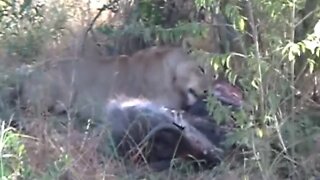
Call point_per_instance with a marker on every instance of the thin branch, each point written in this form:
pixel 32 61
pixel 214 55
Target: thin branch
pixel 112 6
pixel 304 18
pixel 257 50
pixel 292 64
pixel 253 28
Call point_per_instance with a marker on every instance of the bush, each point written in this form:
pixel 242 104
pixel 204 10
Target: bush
pixel 25 28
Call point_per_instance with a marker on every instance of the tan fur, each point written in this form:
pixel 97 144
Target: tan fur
pixel 162 74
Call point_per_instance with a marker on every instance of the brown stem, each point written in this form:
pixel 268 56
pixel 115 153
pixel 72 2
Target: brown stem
pixel 257 50
pixel 110 6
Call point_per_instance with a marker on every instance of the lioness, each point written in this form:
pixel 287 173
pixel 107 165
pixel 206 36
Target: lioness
pixel 165 75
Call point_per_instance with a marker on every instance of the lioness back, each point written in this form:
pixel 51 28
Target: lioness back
pixel 164 75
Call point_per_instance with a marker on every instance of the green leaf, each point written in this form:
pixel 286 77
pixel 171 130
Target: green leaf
pixel 215 66
pixel 317 29
pixel 255 83
pixel 286 48
pixel 241 25
pixel 302 47
pixel 259 132
pixel 311 64
pixel 318 52
pixel 311 45
pixel 228 61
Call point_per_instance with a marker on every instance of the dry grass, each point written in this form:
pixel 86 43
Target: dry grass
pixel 73 153
pixel 70 154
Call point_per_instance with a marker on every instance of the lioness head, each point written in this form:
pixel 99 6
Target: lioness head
pixel 192 82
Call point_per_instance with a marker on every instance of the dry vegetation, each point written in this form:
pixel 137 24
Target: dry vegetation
pixel 281 129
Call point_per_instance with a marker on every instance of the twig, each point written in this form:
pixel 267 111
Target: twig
pixel 292 67
pixel 253 28
pixel 111 6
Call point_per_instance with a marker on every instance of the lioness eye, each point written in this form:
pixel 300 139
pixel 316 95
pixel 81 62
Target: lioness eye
pixel 215 76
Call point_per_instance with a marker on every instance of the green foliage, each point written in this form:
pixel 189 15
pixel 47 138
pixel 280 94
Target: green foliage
pixel 271 116
pixel 13 155
pixel 271 121
pixel 205 3
pixel 311 47
pixel 154 34
pixel 150 13
pixel 26 27
pixel 233 13
pixel 14 162
pixel 8 81
pixel 56 168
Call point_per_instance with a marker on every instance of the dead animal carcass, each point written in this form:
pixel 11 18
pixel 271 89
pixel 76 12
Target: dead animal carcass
pixel 143 130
